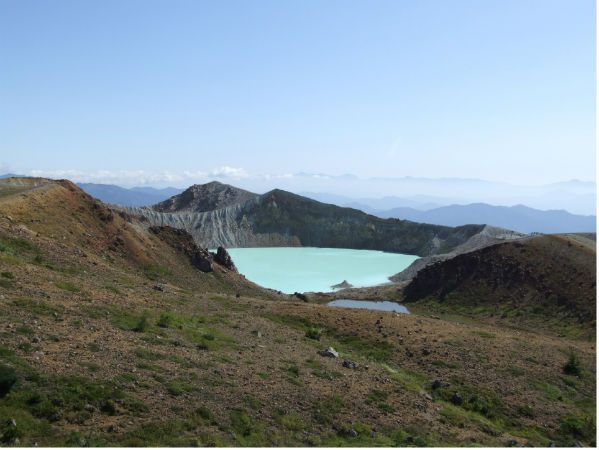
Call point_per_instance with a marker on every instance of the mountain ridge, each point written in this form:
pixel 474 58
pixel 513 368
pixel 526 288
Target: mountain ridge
pixel 281 218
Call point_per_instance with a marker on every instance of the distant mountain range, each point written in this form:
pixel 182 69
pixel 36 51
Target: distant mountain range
pixel 137 196
pixel 418 208
pixel 426 209
pixel 518 218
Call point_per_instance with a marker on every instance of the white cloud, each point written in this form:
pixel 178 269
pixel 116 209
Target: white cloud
pixel 229 172
pixel 141 177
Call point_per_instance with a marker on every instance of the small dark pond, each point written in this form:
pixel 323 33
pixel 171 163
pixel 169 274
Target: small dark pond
pixel 362 304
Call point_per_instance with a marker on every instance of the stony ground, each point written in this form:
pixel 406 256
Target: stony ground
pixel 105 356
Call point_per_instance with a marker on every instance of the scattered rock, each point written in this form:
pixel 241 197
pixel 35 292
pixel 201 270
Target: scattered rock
pixel 457 399
pixel 159 287
pixel 12 422
pixel 89 407
pixel 350 364
pixel 330 352
pixel 257 333
pixel 353 433
pixel 36 340
pixel 426 352
pixel 373 434
pixel 437 384
pixel 113 429
pixel 177 344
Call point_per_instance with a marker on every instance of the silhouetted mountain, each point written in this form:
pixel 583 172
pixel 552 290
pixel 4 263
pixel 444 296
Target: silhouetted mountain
pixel 518 218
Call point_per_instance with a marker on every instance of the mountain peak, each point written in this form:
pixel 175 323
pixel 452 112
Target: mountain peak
pixel 205 197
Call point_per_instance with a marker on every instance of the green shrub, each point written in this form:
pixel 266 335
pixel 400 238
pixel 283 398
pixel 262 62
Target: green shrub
pixel 142 324
pixel 109 407
pixel 7 275
pixel 572 366
pixel 10 433
pixel 8 378
pixel 204 413
pixel 241 422
pixel 314 333
pixel 165 320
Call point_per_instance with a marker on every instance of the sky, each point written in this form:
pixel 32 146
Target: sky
pixel 174 92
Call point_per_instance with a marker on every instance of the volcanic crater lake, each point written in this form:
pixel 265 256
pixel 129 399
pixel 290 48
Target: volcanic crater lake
pixel 314 269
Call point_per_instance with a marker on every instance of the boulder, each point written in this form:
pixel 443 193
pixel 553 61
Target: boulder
pixel 202 259
pixel 457 399
pixel 350 364
pixel 330 352
pixel 302 297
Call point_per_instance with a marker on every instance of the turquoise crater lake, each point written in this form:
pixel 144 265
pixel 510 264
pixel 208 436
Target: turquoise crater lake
pixel 312 269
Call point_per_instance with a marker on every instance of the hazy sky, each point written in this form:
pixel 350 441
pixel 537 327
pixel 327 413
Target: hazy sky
pixel 491 89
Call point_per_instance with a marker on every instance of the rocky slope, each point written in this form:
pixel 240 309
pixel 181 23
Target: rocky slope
pixel 280 218
pixel 110 336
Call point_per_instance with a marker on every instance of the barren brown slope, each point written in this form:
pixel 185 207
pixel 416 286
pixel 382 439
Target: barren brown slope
pixel 103 358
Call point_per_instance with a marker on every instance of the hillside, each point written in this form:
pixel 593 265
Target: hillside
pixel 112 336
pixel 525 281
pixel 280 218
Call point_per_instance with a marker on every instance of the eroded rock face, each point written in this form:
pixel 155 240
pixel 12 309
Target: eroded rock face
pixel 223 258
pixel 183 241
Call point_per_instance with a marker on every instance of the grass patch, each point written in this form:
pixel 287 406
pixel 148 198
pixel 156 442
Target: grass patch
pixel 113 289
pixel 474 398
pixel 148 355
pixel 578 427
pixel 446 365
pixel 39 307
pixel 291 422
pixel 175 388
pixel 92 367
pixel 325 411
pixel 129 321
pixel 551 391
pixel 368 350
pixel 67 286
pixel 410 380
pixel 154 272
pixel 484 334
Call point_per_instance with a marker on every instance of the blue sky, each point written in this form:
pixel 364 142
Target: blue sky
pixel 174 92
